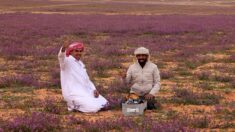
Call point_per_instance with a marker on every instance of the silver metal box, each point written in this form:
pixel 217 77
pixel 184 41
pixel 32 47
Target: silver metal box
pixel 133 109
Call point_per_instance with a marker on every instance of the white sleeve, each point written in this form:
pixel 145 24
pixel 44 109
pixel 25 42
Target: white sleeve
pixel 156 81
pixel 92 85
pixel 61 57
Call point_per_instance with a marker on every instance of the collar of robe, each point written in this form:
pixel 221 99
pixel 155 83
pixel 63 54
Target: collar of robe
pixel 78 61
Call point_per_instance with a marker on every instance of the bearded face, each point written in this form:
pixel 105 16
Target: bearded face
pixel 142 58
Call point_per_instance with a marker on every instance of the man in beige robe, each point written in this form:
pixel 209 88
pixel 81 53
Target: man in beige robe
pixel 144 77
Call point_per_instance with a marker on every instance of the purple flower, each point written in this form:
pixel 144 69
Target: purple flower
pixel 52 105
pixel 166 74
pixel 203 75
pixel 36 121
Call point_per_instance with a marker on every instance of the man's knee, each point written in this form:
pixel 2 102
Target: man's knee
pixel 151 104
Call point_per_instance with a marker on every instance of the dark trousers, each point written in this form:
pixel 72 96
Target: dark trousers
pixel 150 103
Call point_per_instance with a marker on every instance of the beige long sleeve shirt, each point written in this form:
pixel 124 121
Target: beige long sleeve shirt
pixel 143 80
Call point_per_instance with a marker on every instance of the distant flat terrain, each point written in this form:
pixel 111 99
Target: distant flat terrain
pixel 112 7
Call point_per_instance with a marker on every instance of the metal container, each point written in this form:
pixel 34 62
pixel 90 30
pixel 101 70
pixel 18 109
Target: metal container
pixel 133 109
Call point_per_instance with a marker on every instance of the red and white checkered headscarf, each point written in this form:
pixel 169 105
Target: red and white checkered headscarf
pixel 73 46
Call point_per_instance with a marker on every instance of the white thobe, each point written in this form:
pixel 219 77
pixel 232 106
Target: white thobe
pixel 77 88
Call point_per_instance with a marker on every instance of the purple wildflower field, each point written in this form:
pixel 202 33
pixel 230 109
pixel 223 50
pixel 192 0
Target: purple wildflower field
pixel 194 51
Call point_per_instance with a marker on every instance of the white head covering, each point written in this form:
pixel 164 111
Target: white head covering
pixel 141 50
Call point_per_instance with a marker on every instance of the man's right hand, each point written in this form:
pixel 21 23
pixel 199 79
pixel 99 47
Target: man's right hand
pixel 148 97
pixel 65 45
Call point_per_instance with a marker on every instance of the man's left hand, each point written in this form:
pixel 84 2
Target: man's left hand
pixel 96 93
pixel 149 96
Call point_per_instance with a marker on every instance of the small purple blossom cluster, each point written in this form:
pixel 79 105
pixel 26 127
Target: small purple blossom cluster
pixel 166 74
pixel 187 96
pixel 53 105
pixel 135 124
pixel 19 80
pixel 36 121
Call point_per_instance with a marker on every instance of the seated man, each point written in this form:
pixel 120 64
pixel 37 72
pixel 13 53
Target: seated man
pixel 77 89
pixel 144 78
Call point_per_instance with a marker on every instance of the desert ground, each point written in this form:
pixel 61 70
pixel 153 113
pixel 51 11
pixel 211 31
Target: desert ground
pixel 191 41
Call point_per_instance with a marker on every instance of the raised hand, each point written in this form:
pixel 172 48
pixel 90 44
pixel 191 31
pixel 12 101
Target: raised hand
pixel 65 44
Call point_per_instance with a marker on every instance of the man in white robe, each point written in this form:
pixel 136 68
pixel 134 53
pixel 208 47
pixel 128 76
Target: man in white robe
pixel 77 89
